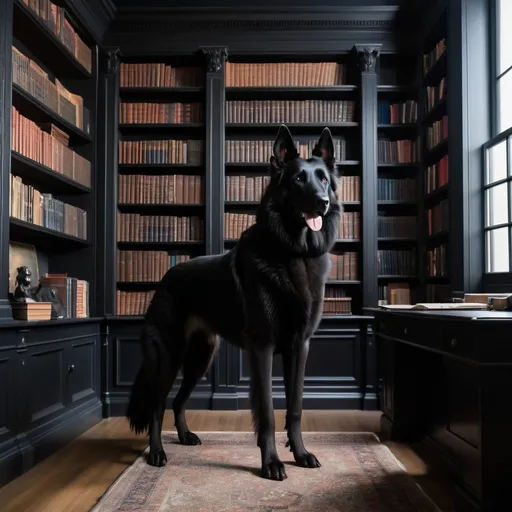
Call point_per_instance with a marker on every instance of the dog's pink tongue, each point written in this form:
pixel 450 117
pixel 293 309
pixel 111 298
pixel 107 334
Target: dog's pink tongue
pixel 315 223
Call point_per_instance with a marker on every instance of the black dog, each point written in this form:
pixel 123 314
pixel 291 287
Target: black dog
pixel 265 296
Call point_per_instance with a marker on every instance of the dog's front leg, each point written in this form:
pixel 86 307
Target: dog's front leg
pixel 263 412
pixel 294 367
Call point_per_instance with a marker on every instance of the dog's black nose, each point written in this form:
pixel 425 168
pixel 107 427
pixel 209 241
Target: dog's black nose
pixel 322 202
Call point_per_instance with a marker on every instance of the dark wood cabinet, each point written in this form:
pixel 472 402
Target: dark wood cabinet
pixel 50 377
pixel 340 373
pixel 446 381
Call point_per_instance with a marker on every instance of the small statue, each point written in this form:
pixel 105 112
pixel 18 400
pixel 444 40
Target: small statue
pixel 23 291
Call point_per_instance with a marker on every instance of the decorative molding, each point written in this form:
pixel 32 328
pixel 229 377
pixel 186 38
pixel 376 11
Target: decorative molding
pixel 113 55
pixel 94 15
pixel 215 57
pixel 368 55
pixel 178 19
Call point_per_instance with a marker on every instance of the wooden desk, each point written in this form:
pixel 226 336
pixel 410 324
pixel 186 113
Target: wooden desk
pixel 447 380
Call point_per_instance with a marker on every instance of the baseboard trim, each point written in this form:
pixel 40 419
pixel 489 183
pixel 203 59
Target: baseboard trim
pixel 30 448
pixel 115 404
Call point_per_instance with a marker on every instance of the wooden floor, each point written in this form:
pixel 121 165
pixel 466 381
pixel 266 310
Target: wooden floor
pixel 74 479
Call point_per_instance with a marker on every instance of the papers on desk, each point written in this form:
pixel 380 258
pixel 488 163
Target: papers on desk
pixel 438 305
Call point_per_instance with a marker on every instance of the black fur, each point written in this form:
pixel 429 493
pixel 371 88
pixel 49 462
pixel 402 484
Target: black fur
pixel 265 296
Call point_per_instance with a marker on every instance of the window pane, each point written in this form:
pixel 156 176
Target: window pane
pixel 498 259
pixel 505 35
pixel 505 100
pixel 496 205
pixel 497 163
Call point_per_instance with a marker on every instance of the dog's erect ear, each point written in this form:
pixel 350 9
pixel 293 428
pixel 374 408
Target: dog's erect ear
pixel 325 149
pixel 284 148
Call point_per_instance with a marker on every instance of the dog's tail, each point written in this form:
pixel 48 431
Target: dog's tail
pixel 142 404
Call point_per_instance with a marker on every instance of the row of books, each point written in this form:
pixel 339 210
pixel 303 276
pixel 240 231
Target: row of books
pixel 130 303
pixel 132 227
pixel 145 266
pixel 397 151
pixel 344 266
pixel 30 205
pixel 259 151
pixel 170 151
pixel 245 188
pixel 394 293
pixel 158 74
pixel 168 189
pixel 36 82
pixel 404 226
pixel 437 175
pixel 45 144
pixel 236 223
pixel 284 74
pixel 397 113
pixel 396 262
pixel 72 293
pixel 294 111
pixel 429 59
pixel 350 226
pixel 438 217
pixel 54 18
pixel 396 189
pixel 435 93
pixel 161 113
pixel 437 132
pixel 349 189
pixel 437 261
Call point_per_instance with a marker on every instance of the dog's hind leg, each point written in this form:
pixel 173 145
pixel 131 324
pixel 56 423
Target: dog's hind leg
pixel 166 376
pixel 201 348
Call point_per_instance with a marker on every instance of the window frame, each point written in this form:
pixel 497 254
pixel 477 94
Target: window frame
pixel 496 279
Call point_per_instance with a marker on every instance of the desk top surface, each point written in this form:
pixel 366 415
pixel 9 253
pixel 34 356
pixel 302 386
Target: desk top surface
pixel 474 315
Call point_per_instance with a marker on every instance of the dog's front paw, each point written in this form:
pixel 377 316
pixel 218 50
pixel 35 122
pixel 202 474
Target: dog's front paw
pixel 306 460
pixel 157 458
pixel 273 470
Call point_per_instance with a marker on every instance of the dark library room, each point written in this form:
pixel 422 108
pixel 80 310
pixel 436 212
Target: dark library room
pixel 255 256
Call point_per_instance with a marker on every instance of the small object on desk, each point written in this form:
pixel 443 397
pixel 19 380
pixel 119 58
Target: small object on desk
pixel 30 311
pixel 437 306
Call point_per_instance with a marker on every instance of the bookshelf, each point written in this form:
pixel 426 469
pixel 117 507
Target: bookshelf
pixel 161 176
pixel 397 180
pixel 306 95
pixel 435 166
pixel 52 176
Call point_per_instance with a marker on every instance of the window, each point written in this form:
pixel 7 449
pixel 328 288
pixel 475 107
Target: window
pixel 504 64
pixel 498 151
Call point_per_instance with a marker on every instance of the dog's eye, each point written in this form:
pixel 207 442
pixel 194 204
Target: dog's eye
pixel 298 177
pixel 324 180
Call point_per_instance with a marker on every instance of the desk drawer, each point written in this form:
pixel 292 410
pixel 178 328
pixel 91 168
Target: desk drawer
pixel 413 330
pixel 458 340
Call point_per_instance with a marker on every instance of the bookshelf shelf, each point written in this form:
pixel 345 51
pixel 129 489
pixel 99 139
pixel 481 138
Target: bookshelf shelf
pixel 437 237
pixel 398 126
pixel 290 92
pixel 397 203
pixel 333 282
pixel 438 151
pixel 44 238
pixel 437 194
pixel 395 89
pixel 437 111
pixel 43 42
pixel 397 277
pixel 48 180
pixel 40 113
pixel 297 127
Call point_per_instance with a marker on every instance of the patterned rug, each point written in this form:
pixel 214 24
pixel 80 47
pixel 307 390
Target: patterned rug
pixel 358 474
